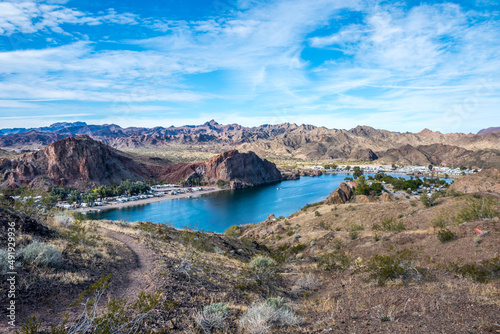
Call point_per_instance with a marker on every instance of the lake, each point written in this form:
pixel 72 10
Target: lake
pixel 217 211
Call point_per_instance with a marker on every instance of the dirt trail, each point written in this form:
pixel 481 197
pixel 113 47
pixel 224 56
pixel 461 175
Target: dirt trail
pixel 136 275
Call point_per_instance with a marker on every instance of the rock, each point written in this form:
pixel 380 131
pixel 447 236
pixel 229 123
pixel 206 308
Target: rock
pixel 240 170
pixel 78 162
pixel 270 218
pixel 386 197
pixel 340 195
pixel 289 176
pixel 310 172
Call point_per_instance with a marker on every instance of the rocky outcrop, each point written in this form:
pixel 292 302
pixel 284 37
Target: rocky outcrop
pixel 487 180
pixel 240 170
pixel 340 195
pixel 289 176
pixel 79 162
pixel 310 172
pixel 363 155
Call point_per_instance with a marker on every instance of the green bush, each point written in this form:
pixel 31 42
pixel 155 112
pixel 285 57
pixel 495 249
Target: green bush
pixel 223 184
pixel 482 272
pixel 427 201
pixel 353 235
pixel 477 209
pixel 396 265
pixel 336 260
pixel 262 273
pixel 389 224
pixel 233 231
pixel 439 222
pixel 357 227
pixel 41 254
pixel 445 235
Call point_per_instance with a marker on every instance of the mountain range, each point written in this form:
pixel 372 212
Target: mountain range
pixel 362 143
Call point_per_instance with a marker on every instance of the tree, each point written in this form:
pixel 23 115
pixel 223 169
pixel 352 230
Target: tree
pixel 431 167
pixel 362 188
pixel 357 172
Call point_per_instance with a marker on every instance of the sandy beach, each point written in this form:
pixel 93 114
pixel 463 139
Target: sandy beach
pixel 166 197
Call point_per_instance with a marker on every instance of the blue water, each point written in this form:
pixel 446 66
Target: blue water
pixel 217 211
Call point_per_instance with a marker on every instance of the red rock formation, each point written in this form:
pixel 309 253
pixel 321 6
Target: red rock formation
pixel 242 170
pixel 340 195
pixel 79 162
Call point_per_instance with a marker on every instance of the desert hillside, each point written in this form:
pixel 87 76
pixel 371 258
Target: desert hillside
pixel 354 263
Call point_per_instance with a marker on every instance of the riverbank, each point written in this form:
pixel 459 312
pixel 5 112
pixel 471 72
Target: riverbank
pixel 166 197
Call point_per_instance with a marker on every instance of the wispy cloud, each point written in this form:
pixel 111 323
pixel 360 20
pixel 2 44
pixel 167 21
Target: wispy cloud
pixel 284 60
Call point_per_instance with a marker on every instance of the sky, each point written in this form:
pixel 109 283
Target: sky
pixel 395 65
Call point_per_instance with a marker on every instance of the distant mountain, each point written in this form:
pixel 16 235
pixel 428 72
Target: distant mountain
pixel 362 143
pixel 50 128
pixel 488 130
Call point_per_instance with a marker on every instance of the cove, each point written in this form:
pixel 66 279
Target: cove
pixel 217 211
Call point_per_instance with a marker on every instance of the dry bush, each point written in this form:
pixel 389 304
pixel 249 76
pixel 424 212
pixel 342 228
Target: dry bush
pixel 260 318
pixel 306 282
pixel 212 317
pixel 41 254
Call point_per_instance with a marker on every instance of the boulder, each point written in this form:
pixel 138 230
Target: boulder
pixel 340 195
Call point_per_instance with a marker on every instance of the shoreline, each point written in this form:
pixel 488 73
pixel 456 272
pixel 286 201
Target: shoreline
pixel 166 197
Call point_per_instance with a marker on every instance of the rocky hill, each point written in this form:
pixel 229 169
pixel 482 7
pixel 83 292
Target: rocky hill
pixel 240 170
pixel 78 162
pixel 81 162
pixel 487 180
pixel 489 130
pixel 286 140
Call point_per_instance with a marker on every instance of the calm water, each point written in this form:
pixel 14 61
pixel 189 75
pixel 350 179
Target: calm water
pixel 217 211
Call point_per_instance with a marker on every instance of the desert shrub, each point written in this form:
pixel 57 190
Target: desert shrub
pixel 41 254
pixel 479 272
pixel 30 325
pixel 439 222
pixel 212 317
pixel 427 201
pixel 336 260
pixel 262 272
pixel 4 265
pixel 78 234
pixel 306 282
pixel 261 317
pixel 118 316
pixel 317 213
pixel 307 206
pixel 445 235
pixel 285 251
pixel 357 227
pixel 233 231
pixel 353 235
pixel 477 209
pixel 453 193
pixel 399 264
pixel 390 224
pixel 64 221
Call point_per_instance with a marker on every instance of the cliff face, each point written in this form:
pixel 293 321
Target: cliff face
pixel 78 162
pixel 241 170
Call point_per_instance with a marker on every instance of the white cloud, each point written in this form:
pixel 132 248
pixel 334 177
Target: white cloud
pixel 30 16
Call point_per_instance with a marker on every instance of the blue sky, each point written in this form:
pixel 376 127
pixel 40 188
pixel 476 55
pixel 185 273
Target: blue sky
pixel 395 65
